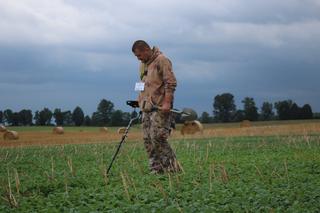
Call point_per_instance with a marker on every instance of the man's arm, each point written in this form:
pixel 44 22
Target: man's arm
pixel 170 84
pixel 166 105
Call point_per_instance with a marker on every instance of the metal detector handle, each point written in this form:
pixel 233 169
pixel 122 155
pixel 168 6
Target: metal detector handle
pixel 134 104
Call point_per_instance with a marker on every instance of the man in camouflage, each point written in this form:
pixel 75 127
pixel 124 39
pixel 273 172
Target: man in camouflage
pixel 155 101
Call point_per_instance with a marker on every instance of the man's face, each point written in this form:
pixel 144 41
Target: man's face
pixel 143 55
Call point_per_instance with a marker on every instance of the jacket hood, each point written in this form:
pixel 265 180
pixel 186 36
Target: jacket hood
pixel 155 53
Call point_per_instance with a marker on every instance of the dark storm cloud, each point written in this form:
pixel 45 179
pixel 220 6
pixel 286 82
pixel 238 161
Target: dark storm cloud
pixel 68 53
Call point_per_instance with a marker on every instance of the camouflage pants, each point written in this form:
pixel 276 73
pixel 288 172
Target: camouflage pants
pixel 156 130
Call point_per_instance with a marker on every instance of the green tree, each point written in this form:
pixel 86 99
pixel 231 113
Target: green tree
pixel 105 110
pixel 126 116
pixel 15 119
pixel 7 116
pixel 316 115
pixel 266 111
pixel 59 117
pixel 283 109
pixel 1 116
pixel 25 117
pixel 45 117
pixel 67 118
pixel 224 107
pixel 250 110
pixel 78 116
pixel 307 111
pixel 95 119
pixel 117 118
pixel 295 112
pixel 87 120
pixel 238 116
pixel 205 117
pixel 63 118
pixel 37 118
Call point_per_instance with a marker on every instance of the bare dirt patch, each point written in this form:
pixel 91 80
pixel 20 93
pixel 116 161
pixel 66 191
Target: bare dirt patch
pixel 31 138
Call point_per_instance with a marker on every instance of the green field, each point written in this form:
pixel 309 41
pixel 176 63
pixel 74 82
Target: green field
pixel 233 174
pixel 263 123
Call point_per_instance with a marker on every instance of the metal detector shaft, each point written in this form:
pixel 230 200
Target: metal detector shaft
pixel 122 140
pixel 181 112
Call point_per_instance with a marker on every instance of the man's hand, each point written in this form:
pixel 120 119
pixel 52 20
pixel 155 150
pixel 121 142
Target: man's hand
pixel 166 104
pixel 166 107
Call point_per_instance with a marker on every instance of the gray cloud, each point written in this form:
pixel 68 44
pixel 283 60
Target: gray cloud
pixel 76 52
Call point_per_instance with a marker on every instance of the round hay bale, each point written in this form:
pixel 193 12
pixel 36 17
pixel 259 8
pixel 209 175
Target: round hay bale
pixel 104 129
pixel 121 130
pixel 3 128
pixel 58 130
pixel 11 135
pixel 245 123
pixel 191 127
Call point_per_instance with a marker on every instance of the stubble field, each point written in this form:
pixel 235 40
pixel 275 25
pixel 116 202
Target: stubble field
pixel 269 167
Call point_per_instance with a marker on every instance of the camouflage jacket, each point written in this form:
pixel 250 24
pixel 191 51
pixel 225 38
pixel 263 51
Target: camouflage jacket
pixel 159 80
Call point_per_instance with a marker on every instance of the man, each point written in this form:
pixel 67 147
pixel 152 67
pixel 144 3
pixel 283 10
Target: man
pixel 156 88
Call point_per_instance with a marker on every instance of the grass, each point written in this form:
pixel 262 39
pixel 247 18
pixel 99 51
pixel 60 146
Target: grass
pixel 222 174
pixel 263 123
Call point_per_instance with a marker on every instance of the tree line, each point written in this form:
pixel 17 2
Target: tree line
pixel 105 115
pixel 224 110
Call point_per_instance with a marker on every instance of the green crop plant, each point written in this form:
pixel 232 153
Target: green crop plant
pixel 223 174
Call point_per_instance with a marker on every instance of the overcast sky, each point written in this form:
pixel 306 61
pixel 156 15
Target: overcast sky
pixel 68 53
